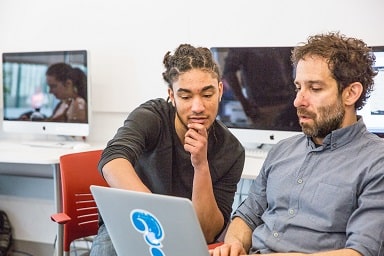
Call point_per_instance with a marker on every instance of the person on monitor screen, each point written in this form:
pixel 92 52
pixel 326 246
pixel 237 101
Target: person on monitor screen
pixel 177 147
pixel 322 192
pixel 260 78
pixel 69 85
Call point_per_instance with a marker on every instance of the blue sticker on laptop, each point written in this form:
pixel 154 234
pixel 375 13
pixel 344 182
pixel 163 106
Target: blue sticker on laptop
pixel 153 233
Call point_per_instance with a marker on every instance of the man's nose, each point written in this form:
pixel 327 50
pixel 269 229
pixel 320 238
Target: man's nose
pixel 197 105
pixel 300 100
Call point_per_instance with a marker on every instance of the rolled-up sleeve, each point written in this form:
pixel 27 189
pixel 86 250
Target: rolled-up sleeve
pixel 365 229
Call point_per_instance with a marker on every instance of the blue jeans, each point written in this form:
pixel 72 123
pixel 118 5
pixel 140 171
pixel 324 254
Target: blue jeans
pixel 102 244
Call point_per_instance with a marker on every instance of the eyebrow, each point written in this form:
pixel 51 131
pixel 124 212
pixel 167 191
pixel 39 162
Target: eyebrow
pixel 310 82
pixel 205 88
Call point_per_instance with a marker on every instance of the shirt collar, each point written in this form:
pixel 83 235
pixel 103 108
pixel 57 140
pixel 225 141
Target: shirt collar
pixel 340 137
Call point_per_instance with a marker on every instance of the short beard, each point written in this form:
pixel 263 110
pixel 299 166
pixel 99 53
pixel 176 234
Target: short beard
pixel 329 119
pixel 180 119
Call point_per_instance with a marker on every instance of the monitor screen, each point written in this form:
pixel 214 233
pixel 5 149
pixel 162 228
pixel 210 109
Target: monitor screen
pixel 46 92
pixel 373 111
pixel 257 103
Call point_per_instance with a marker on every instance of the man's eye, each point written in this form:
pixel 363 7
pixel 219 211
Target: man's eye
pixel 184 97
pixel 207 95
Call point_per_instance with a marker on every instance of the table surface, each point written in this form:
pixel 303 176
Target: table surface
pixel 18 152
pixel 22 153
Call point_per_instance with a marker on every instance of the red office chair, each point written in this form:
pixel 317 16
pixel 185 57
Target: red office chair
pixel 79 218
pixel 214 245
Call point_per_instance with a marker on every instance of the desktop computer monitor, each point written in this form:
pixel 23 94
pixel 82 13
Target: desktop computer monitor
pixel 373 111
pixel 257 103
pixel 46 92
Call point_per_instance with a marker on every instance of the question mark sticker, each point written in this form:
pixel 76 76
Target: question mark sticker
pixel 147 224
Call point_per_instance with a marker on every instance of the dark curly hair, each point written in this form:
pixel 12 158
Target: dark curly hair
pixel 185 58
pixel 349 60
pixel 63 71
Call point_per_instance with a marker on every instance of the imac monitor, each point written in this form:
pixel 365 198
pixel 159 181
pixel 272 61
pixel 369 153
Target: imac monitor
pixel 257 103
pixel 33 104
pixel 373 111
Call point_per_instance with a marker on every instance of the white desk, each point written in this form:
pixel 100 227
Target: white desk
pixel 252 167
pixel 13 152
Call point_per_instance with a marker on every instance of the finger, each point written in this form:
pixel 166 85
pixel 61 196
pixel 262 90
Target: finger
pixel 199 128
pixel 193 137
pixel 223 250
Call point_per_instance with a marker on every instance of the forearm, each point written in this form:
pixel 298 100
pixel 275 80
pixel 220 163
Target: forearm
pixel 210 217
pixel 239 232
pixel 119 173
pixel 341 252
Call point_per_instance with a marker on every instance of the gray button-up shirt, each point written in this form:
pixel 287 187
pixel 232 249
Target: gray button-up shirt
pixel 309 199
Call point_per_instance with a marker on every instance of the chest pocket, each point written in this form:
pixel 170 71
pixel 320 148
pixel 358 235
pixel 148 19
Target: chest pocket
pixel 331 207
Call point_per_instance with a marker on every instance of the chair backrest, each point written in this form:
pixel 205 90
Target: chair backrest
pixel 79 171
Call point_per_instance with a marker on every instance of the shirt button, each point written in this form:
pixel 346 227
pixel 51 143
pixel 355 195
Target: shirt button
pixel 275 234
pixel 299 181
pixel 291 211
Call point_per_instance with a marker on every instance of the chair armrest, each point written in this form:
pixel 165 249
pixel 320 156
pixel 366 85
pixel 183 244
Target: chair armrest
pixel 60 218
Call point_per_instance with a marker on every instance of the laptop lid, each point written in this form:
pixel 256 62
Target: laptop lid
pixel 150 224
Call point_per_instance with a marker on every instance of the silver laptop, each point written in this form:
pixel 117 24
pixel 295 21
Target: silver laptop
pixel 143 224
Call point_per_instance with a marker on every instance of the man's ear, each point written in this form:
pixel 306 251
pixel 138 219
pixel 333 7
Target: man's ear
pixel 352 93
pixel 171 96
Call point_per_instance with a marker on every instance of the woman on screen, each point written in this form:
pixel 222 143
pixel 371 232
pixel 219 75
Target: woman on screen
pixel 69 85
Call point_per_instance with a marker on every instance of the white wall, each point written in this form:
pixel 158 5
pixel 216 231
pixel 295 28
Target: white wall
pixel 128 39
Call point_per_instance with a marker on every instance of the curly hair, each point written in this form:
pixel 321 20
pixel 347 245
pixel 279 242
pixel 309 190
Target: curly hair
pixel 185 58
pixel 349 60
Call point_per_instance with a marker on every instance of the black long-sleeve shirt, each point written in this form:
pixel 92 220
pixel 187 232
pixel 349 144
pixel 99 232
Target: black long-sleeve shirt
pixel 149 141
